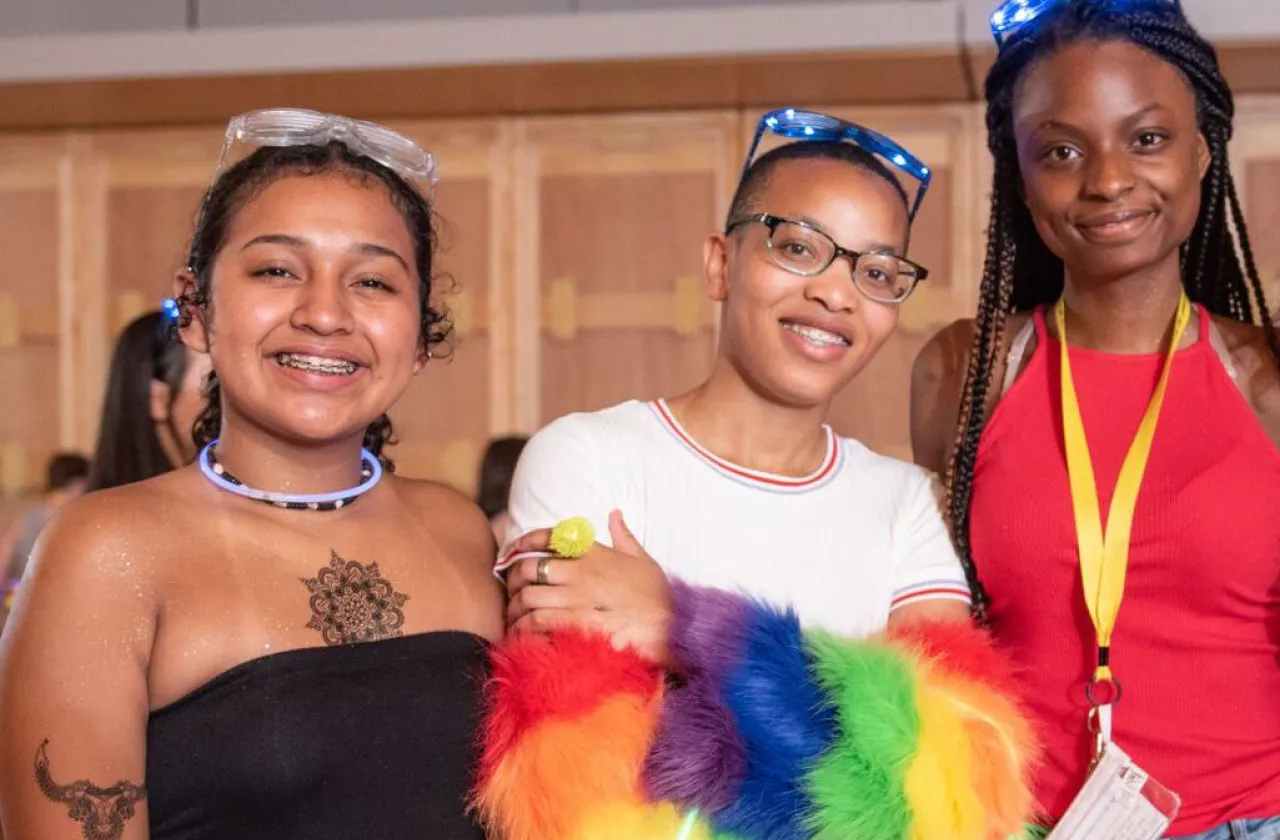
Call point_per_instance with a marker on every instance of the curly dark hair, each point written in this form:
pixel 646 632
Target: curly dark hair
pixel 1020 272
pixel 240 183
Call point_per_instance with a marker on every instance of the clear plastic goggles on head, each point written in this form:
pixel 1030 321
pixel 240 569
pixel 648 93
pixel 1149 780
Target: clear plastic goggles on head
pixel 1014 16
pixel 801 126
pixel 300 127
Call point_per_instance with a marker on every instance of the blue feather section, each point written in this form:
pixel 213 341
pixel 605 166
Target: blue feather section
pixel 785 723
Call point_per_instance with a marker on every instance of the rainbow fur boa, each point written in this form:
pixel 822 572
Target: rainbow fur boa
pixel 774 734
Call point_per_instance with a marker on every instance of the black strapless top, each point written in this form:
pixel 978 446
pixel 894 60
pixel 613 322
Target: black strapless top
pixel 373 741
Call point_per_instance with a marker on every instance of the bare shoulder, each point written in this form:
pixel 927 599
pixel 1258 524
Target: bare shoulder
pixel 439 500
pixel 944 355
pixel 1256 368
pixel 125 529
pixel 937 387
pixel 448 514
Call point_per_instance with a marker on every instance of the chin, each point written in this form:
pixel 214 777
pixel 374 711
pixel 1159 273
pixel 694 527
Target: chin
pixel 319 430
pixel 805 392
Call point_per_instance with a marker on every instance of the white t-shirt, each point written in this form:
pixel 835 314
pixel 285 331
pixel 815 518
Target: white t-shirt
pixel 845 545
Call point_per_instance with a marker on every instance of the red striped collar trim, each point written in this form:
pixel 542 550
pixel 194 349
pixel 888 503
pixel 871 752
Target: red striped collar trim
pixel 768 481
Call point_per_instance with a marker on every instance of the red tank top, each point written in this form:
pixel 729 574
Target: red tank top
pixel 1197 642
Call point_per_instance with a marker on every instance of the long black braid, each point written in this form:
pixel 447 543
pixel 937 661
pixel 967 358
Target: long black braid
pixel 1020 272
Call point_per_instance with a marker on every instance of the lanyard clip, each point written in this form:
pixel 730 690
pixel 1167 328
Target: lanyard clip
pixel 1104 689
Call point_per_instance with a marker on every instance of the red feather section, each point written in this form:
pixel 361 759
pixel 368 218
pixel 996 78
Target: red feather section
pixel 569 722
pixel 962 649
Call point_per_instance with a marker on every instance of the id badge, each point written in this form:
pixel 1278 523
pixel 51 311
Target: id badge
pixel 1120 801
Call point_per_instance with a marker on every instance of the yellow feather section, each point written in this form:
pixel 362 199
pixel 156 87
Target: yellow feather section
pixel 1002 744
pixel 938 784
pixel 660 821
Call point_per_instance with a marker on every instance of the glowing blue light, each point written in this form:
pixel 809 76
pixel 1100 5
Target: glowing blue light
pixel 900 160
pixel 1013 15
pixel 924 170
pixel 808 129
pixel 791 113
pixel 169 309
pixel 771 122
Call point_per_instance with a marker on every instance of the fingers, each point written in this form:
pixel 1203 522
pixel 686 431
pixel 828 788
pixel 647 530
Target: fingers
pixel 624 542
pixel 537 540
pixel 525 573
pixel 532 598
pixel 548 619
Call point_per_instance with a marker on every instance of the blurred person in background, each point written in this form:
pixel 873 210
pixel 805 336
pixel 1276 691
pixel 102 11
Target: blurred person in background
pixel 65 480
pixel 494 485
pixel 154 395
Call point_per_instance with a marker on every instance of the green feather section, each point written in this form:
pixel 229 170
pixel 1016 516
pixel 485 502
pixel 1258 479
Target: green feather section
pixel 857 786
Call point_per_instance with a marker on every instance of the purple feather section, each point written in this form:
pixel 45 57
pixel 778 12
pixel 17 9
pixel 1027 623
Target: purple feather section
pixel 698 758
pixel 708 628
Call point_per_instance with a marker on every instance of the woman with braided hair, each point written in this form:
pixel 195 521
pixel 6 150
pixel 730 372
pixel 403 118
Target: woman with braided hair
pixel 1139 467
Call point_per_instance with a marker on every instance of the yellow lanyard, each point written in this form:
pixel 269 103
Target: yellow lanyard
pixel 1105 559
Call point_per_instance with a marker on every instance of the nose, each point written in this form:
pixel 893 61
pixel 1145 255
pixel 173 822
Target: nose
pixel 834 288
pixel 1108 175
pixel 322 307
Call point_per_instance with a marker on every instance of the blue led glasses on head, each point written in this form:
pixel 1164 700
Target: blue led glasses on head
pixel 802 126
pixel 1014 16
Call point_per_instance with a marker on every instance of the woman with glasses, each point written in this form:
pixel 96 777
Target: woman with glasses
pixel 1114 475
pixel 153 399
pixel 757 556
pixel 282 639
pixel 811 270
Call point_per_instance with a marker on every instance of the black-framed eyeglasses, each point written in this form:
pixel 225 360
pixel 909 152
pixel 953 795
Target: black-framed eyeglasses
pixel 800 248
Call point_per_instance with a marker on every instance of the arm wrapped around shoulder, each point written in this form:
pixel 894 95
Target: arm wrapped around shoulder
pixel 776 732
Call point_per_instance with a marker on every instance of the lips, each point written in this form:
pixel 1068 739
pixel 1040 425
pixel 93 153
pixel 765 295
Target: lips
pixel 1115 227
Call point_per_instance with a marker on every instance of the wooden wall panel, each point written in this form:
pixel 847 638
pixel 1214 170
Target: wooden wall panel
pixel 614 212
pixel 1256 159
pixel 446 417
pixel 35 299
pixel 573 247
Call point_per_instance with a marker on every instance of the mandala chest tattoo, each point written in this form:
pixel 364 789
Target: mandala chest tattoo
pixel 351 602
pixel 101 811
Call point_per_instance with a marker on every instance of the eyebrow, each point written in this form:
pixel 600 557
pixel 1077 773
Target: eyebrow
pixel 870 249
pixel 1136 117
pixel 366 248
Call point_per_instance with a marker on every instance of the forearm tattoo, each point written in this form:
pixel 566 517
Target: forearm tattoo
pixel 354 603
pixel 101 811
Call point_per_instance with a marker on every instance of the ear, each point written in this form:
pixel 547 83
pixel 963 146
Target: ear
pixel 715 267
pixel 192 326
pixel 158 404
pixel 1203 156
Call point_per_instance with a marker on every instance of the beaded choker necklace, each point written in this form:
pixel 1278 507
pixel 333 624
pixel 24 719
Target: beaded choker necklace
pixel 370 473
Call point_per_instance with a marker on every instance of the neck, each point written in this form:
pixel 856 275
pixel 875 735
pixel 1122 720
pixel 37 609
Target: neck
pixel 729 418
pixel 283 466
pixel 1128 315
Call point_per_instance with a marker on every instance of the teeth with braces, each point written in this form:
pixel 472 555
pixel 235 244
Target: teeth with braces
pixel 317 364
pixel 817 336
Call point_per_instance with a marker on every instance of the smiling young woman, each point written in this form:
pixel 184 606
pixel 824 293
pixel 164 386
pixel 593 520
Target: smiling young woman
pixel 1115 338
pixel 285 639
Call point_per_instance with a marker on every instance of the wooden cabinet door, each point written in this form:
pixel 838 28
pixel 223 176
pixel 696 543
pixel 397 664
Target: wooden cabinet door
pixel 611 214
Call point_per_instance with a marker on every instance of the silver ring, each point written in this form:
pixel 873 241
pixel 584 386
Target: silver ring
pixel 541 577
